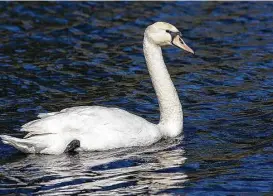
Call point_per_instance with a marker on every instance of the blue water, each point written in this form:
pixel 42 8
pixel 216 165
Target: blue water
pixel 55 55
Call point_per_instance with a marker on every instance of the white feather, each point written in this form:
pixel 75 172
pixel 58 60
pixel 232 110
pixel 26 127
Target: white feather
pixel 102 128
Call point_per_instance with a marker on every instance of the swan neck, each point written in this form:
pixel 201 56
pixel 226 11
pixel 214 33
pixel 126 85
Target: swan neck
pixel 171 116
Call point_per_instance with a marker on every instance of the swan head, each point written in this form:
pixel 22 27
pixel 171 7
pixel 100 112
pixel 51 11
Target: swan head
pixel 164 34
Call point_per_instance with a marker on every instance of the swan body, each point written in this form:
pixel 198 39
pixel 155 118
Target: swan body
pixel 101 128
pixel 97 128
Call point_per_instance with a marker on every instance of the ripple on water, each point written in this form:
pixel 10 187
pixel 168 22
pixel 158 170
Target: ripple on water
pixel 61 54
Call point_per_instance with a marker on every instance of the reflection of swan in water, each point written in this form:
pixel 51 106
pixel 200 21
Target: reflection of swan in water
pixel 128 171
pixel 92 128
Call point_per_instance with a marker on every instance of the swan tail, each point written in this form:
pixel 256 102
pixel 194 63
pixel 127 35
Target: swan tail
pixel 23 145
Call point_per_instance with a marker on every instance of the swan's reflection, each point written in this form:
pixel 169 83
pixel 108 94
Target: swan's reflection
pixel 122 171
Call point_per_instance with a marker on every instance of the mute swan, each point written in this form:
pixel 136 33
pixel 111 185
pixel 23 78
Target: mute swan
pixel 95 128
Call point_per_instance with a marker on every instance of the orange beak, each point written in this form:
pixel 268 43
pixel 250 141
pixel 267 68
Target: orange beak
pixel 179 42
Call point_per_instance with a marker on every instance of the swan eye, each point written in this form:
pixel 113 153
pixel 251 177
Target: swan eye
pixel 174 33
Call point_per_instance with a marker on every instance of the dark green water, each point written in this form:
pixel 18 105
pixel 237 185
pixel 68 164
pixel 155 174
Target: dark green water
pixel 56 55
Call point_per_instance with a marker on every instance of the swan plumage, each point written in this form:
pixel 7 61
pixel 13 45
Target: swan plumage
pixel 103 128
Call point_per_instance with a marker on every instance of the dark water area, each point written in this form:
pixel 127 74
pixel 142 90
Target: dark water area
pixel 55 55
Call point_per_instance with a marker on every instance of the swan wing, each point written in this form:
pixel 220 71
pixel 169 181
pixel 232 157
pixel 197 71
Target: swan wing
pixel 43 115
pixel 85 119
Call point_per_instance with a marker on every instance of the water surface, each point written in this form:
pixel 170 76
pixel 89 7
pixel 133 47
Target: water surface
pixel 55 55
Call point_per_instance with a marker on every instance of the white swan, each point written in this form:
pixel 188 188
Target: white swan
pixel 92 128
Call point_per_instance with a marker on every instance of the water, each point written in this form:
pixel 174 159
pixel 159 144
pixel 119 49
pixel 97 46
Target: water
pixel 55 55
